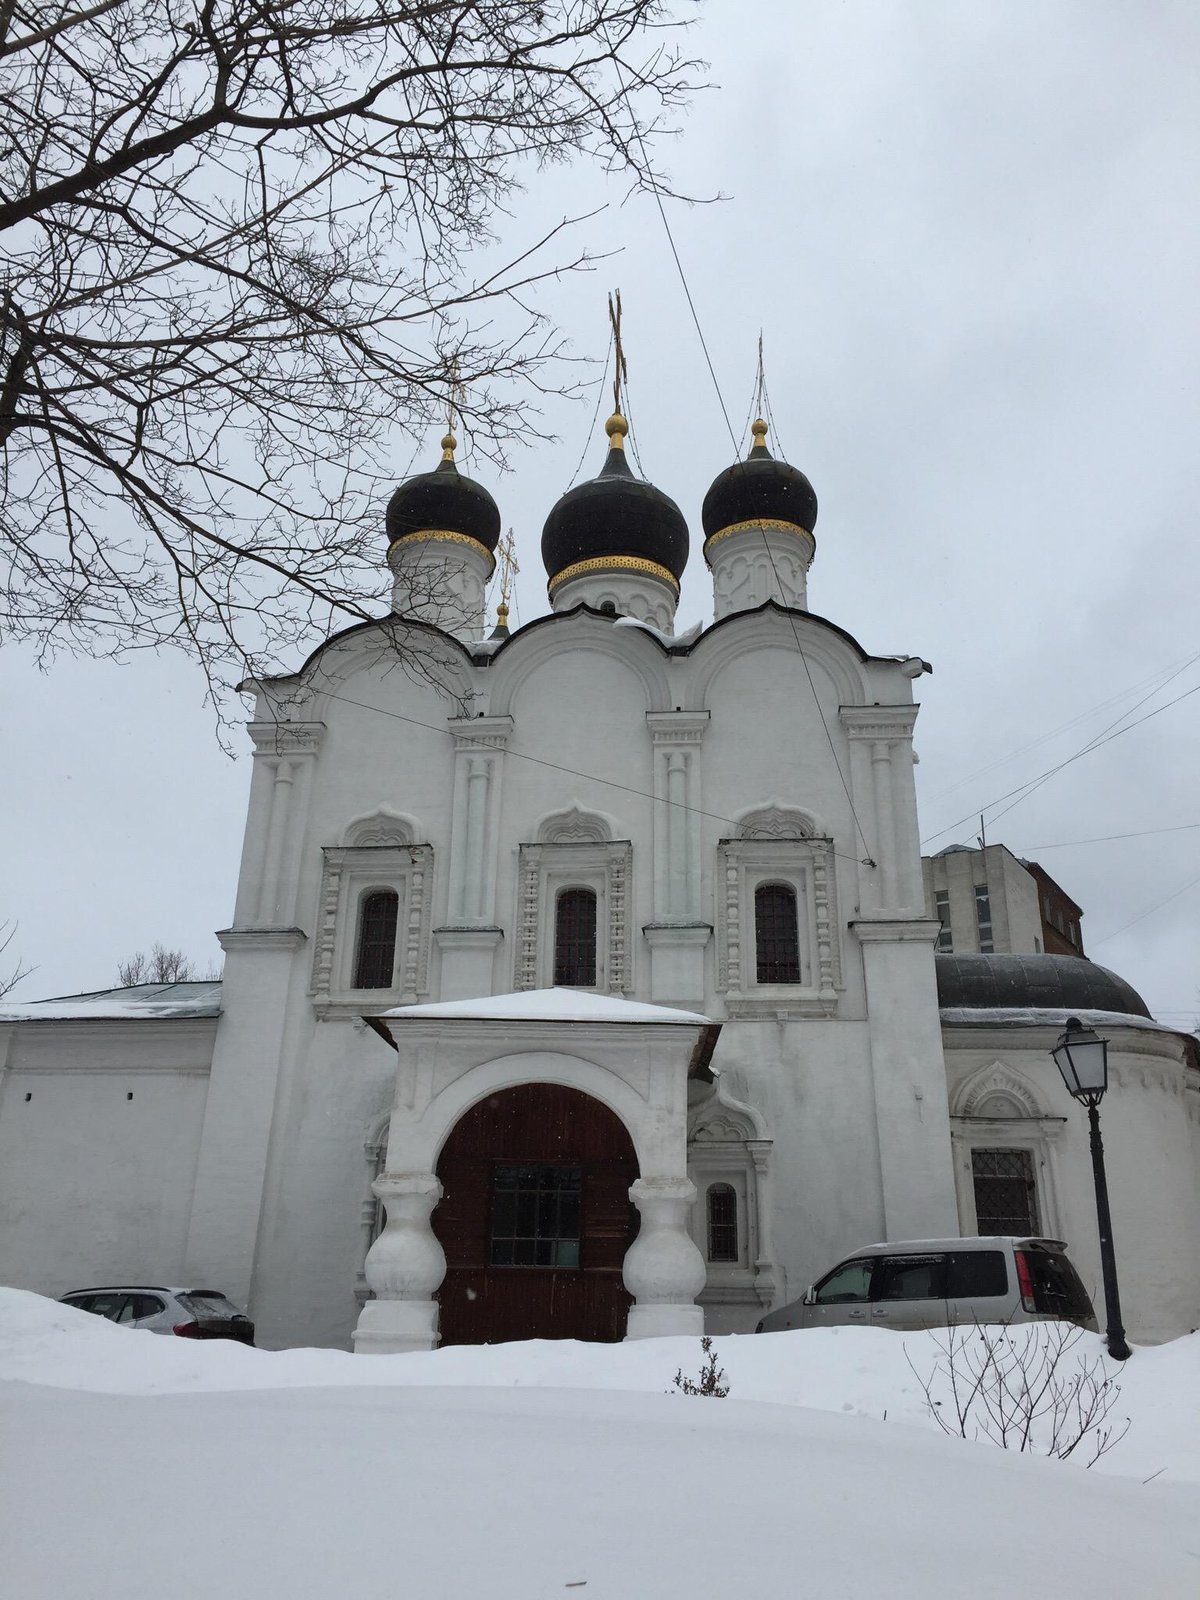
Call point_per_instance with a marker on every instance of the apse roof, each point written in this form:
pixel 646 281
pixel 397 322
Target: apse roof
pixel 141 1002
pixel 1038 982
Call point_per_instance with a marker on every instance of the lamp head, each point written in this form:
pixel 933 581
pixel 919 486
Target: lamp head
pixel 1081 1056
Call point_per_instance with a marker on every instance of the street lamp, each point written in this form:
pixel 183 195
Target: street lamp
pixel 1081 1056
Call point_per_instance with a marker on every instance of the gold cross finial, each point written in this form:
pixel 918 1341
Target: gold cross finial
pixel 619 368
pixel 452 405
pixel 506 560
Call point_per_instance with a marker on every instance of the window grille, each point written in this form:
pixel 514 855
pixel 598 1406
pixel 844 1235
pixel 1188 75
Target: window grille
pixel 575 939
pixel 776 933
pixel 377 940
pixel 1005 1192
pixel 536 1216
pixel 722 1222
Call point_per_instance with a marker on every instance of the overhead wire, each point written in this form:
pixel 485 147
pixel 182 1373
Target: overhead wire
pixel 648 170
pixel 1095 744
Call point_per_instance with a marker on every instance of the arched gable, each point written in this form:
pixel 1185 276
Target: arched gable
pixel 381 827
pixel 575 825
pixel 775 820
pixel 997 1090
pixel 578 632
pixel 824 648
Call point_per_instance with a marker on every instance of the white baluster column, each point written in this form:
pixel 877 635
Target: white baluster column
pixel 663 1270
pixel 404 1269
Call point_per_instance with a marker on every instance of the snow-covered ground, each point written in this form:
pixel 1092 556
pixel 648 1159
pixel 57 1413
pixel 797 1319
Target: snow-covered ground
pixel 135 1463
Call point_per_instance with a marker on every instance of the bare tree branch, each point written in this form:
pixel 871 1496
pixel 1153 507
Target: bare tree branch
pixel 246 247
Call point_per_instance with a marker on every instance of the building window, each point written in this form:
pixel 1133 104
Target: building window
pixel 941 910
pixel 536 1216
pixel 376 940
pixel 575 939
pixel 983 918
pixel 776 933
pixel 722 1222
pixel 1005 1192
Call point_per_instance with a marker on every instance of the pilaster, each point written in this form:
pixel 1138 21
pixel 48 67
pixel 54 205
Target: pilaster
pixel 880 746
pixel 909 1077
pixel 678 936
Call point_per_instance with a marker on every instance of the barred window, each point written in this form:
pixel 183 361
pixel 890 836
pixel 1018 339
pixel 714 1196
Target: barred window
pixel 776 933
pixel 1005 1192
pixel 376 956
pixel 722 1222
pixel 536 1214
pixel 983 918
pixel 575 939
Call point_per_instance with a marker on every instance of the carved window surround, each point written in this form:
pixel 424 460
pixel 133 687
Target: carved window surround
pixel 998 1109
pixel 350 872
pixel 807 866
pixel 727 1143
pixel 543 870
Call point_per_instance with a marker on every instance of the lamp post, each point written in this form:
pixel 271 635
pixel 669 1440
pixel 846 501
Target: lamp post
pixel 1081 1056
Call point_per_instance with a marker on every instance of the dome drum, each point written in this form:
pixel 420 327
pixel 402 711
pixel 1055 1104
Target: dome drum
pixel 619 529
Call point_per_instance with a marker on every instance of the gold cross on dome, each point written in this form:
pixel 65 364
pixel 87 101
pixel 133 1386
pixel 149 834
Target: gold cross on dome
pixel 506 560
pixel 620 370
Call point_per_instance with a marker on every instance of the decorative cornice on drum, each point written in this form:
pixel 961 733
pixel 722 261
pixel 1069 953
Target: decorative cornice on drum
pixel 444 536
pixel 639 564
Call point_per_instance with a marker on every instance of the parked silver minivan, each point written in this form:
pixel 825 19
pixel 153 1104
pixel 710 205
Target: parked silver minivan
pixel 933 1283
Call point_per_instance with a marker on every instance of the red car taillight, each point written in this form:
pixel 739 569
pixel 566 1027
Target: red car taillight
pixel 187 1330
pixel 1025 1280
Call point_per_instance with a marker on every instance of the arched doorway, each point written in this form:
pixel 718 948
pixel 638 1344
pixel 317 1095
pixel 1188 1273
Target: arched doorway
pixel 535 1218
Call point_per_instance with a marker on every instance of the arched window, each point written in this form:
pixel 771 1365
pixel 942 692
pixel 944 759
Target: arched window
pixel 575 939
pixel 722 1222
pixel 376 940
pixel 776 933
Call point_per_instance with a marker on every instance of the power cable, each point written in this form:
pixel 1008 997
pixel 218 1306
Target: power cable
pixel 1149 911
pixel 1095 744
pixel 1163 673
pixel 1109 838
pixel 867 859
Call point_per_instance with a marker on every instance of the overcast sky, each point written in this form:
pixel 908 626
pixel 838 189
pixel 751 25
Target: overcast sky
pixel 969 235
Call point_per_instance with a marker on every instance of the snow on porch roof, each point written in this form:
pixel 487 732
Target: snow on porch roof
pixel 556 1005
pixel 550 1005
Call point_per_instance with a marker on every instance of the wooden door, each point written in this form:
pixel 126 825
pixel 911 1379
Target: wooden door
pixel 535 1219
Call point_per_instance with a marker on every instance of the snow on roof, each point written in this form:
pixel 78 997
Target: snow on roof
pixel 1048 1017
pixel 549 1005
pixel 142 1002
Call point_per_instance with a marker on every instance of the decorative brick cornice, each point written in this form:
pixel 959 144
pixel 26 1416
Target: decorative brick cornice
pixel 878 722
pixel 677 727
pixel 481 733
pixel 286 738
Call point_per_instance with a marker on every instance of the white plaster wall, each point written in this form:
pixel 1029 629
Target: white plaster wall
pixel 1150 1161
pixel 578 692
pixel 96 1186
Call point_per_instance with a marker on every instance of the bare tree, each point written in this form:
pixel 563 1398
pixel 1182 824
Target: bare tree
pixel 246 244
pixel 9 979
pixel 160 966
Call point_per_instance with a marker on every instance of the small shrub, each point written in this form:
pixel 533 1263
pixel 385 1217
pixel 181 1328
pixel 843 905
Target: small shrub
pixel 1023 1389
pixel 711 1379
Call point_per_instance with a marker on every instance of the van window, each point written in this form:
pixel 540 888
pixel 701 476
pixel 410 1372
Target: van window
pixel 1057 1289
pixel 975 1274
pixel 909 1278
pixel 845 1284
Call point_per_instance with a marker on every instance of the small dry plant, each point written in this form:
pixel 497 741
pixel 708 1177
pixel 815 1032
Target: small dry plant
pixel 1024 1389
pixel 711 1379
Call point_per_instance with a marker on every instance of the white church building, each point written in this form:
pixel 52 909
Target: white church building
pixel 581 980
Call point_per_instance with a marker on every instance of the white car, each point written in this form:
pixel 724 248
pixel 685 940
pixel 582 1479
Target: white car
pixel 189 1313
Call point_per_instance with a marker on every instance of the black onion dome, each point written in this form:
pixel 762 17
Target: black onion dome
pixel 443 501
pixel 759 489
pixel 1038 982
pixel 615 517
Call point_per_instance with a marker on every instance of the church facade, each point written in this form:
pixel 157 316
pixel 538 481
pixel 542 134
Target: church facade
pixel 580 981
